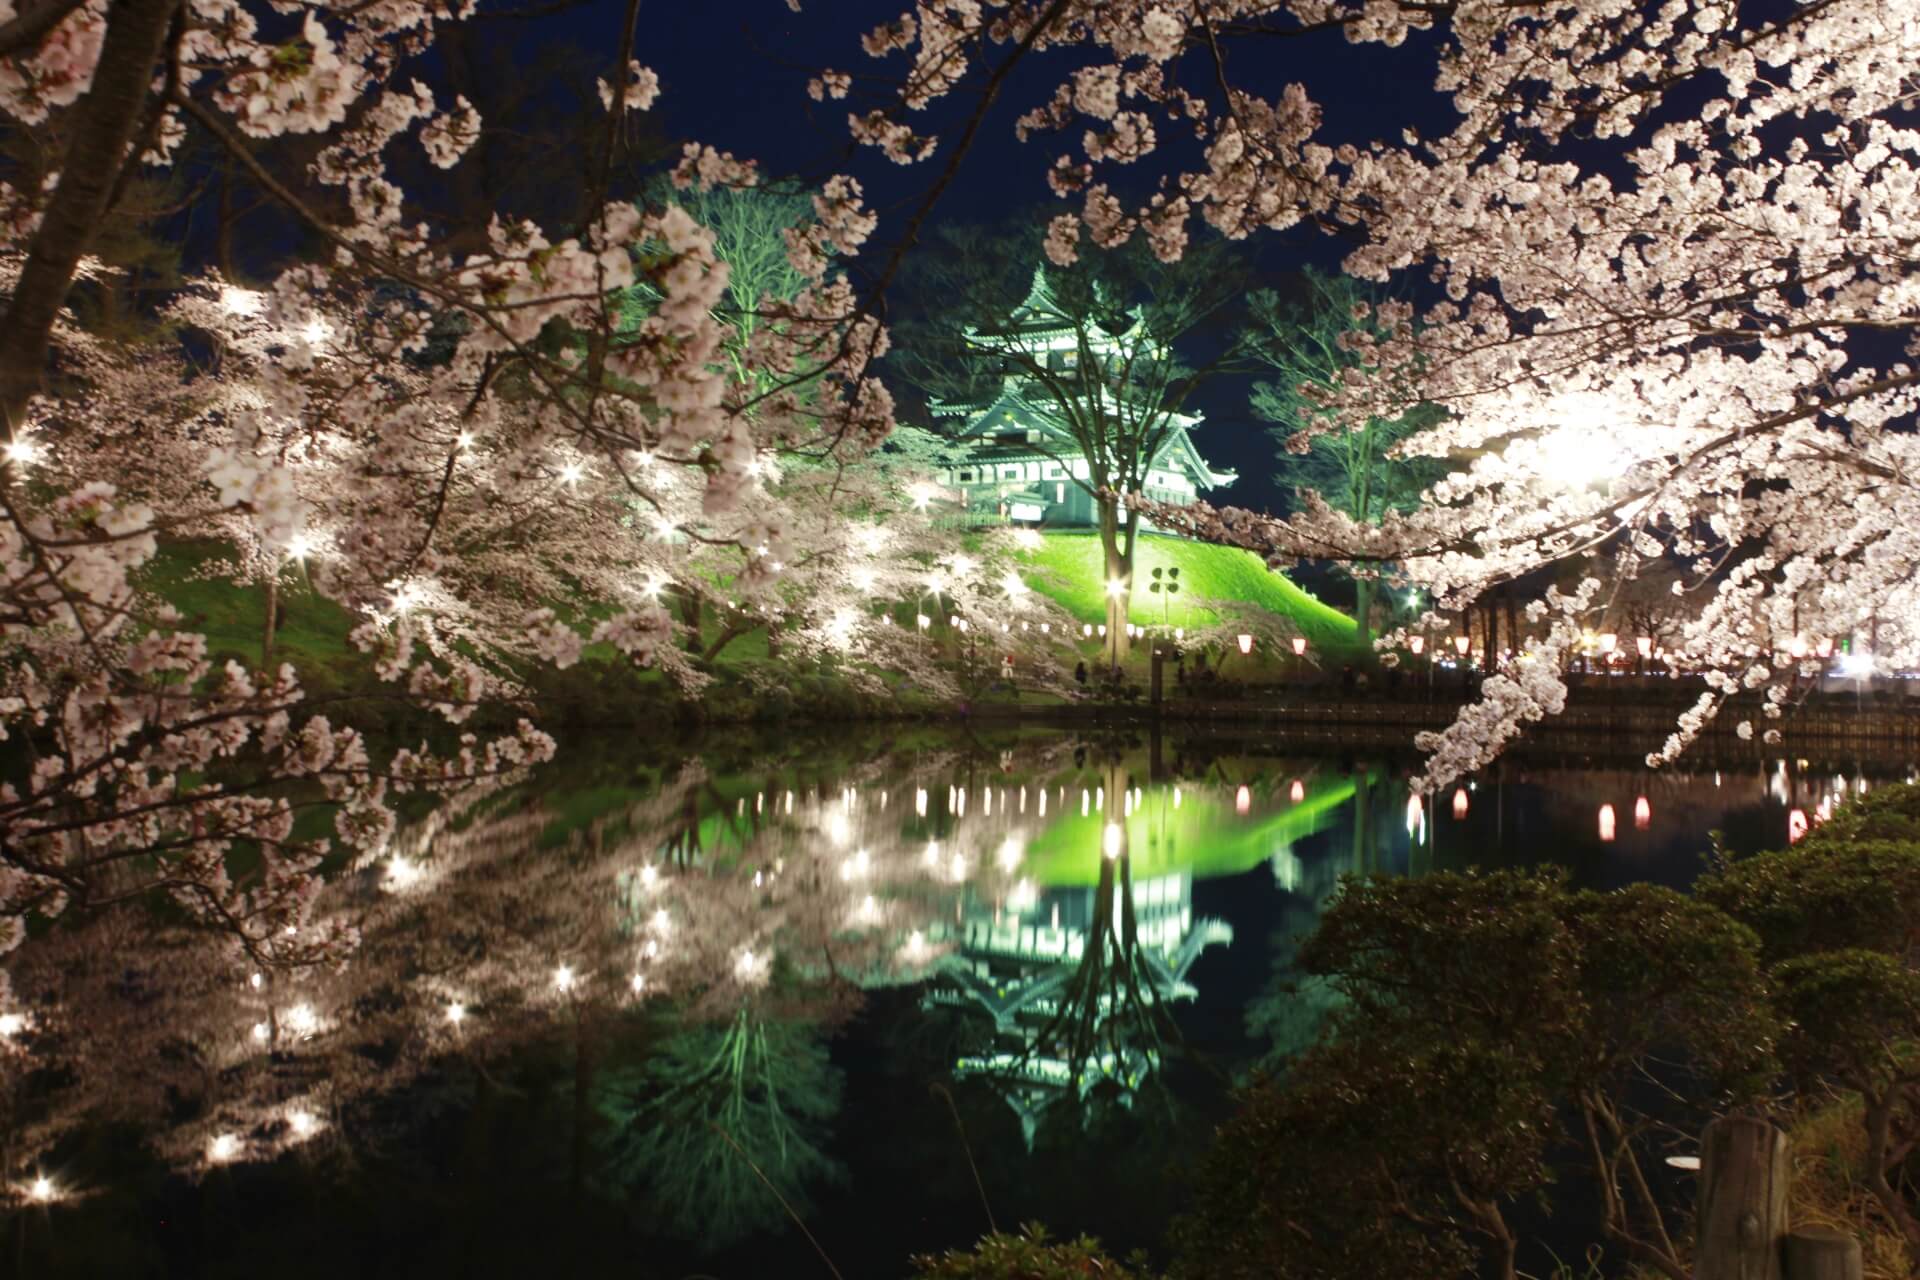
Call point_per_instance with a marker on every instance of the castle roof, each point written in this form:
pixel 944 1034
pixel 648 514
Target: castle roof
pixel 1011 412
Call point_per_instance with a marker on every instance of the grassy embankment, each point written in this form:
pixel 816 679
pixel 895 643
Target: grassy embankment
pixel 1068 567
pixel 313 634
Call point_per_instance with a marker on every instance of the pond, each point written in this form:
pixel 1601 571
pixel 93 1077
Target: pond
pixel 733 1008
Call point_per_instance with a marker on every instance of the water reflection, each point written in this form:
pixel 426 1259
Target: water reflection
pixel 662 969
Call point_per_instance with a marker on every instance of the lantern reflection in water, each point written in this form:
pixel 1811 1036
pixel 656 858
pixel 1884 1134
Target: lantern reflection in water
pixel 1459 804
pixel 1606 824
pixel 1642 814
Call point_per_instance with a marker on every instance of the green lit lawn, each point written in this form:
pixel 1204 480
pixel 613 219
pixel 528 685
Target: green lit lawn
pixel 1069 568
pixel 313 635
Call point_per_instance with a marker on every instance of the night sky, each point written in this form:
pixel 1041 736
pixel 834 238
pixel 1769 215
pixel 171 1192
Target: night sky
pixel 738 82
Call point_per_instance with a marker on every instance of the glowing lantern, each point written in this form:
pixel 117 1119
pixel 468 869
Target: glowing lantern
pixel 1417 643
pixel 1242 800
pixel 1299 646
pixel 1645 645
pixel 1796 825
pixel 1642 814
pixel 1110 838
pixel 1414 811
pixel 1798 648
pixel 1297 792
pixel 1246 642
pixel 1606 824
pixel 1824 647
pixel 1462 644
pixel 1459 803
pixel 1087 629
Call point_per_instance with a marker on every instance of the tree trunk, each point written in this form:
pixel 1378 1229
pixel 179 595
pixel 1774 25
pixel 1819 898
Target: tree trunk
pixel 1745 1170
pixel 103 125
pixel 1879 1123
pixel 690 619
pixel 272 623
pixel 1116 544
pixel 223 225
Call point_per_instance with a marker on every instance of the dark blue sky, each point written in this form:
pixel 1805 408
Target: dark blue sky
pixel 734 75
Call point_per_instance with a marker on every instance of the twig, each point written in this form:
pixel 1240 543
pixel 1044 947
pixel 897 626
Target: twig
pixel 965 1147
pixel 728 1138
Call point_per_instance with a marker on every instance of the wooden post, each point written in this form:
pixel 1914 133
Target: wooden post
pixel 1745 1170
pixel 1820 1253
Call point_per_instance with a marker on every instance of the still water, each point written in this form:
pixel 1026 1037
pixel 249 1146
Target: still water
pixel 651 1009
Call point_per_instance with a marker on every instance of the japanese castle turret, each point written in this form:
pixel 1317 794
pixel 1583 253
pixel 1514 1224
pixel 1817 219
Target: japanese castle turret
pixel 1018 464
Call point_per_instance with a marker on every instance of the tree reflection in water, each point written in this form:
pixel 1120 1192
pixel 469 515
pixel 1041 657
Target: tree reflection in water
pixel 724 1128
pixel 656 969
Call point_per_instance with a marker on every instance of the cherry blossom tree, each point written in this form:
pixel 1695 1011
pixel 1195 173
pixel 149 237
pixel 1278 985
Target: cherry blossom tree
pixel 1669 245
pixel 459 446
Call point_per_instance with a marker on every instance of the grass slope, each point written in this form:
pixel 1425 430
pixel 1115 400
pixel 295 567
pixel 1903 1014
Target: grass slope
pixel 313 634
pixel 1069 568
